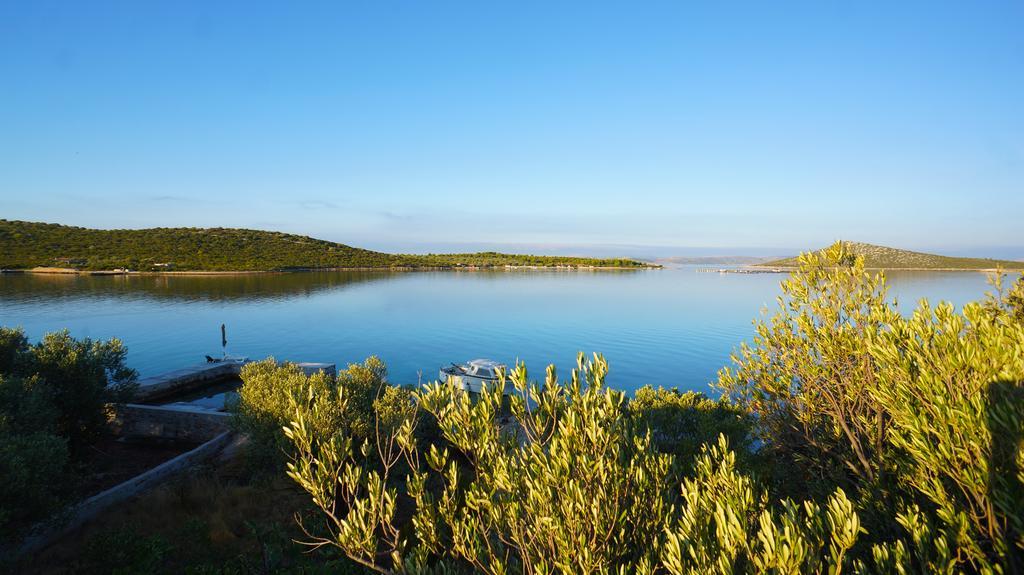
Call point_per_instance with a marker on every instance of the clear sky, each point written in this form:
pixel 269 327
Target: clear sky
pixel 421 125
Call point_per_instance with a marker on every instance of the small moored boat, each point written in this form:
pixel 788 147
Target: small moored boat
pixel 225 358
pixel 472 375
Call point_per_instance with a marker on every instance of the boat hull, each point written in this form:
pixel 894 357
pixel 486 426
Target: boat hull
pixel 472 383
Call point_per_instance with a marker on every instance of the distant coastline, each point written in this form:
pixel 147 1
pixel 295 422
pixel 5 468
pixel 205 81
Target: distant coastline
pixel 893 259
pixel 53 248
pixel 786 270
pixel 474 268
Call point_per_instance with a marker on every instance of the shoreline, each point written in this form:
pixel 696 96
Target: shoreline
pixel 72 271
pixel 785 270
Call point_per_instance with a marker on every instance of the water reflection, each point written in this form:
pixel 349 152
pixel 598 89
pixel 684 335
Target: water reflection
pixel 672 327
pixel 248 287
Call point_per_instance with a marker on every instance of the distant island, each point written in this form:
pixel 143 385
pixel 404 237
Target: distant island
pixel 881 257
pixel 33 246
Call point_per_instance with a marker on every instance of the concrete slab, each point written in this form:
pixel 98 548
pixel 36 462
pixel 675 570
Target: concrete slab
pixel 184 379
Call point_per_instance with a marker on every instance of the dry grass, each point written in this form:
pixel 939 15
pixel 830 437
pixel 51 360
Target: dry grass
pixel 216 520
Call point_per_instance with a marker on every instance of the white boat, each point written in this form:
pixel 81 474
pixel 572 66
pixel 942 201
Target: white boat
pixel 472 375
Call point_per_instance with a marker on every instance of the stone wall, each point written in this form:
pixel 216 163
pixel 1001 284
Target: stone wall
pixel 191 424
pixel 81 513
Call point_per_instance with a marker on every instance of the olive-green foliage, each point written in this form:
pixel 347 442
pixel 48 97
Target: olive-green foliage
pixel 682 422
pixel 808 374
pixel 30 450
pixel 573 485
pixel 727 524
pixel 53 398
pixel 903 436
pixel 30 244
pixel 952 387
pixel 35 474
pixel 921 417
pixel 81 377
pixel 1008 302
pixel 263 404
pixel 569 487
pixel 62 381
pixel 1015 299
pixel 270 391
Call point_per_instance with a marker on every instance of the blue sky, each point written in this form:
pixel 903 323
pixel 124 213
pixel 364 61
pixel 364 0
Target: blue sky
pixel 555 125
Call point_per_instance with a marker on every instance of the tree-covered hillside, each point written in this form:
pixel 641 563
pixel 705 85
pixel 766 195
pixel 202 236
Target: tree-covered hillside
pixel 26 245
pixel 881 257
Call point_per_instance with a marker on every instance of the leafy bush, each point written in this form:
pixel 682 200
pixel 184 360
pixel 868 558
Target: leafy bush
pixel 1006 302
pixel 921 418
pixel 1015 300
pixel 269 392
pixel 35 473
pixel 902 436
pixel 952 388
pixel 123 551
pixel 570 488
pixel 575 486
pixel 30 450
pixel 727 525
pixel 264 405
pixel 78 377
pixel 808 375
pixel 53 398
pixel 681 423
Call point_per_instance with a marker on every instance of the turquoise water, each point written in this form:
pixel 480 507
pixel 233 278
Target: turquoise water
pixel 672 327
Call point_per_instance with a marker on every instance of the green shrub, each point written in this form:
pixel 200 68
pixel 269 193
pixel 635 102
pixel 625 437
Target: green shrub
pixel 270 391
pixel 36 478
pixel 920 418
pixel 264 405
pixel 681 423
pixel 952 388
pixel 574 486
pixel 13 347
pixel 1004 302
pixel 123 552
pixel 902 436
pixel 1015 299
pixel 728 524
pixel 53 402
pixel 78 377
pixel 808 376
pixel 570 488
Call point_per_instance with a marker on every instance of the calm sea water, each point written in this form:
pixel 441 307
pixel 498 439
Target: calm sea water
pixel 671 327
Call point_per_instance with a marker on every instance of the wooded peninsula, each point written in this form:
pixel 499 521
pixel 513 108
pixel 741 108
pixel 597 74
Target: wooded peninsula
pixel 33 245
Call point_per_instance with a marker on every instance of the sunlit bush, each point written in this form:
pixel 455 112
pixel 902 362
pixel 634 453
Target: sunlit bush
pixel 920 418
pixel 902 436
pixel 728 524
pixel 569 487
pixel 271 391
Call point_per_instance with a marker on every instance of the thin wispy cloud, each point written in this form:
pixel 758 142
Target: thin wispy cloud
pixel 318 205
pixel 168 198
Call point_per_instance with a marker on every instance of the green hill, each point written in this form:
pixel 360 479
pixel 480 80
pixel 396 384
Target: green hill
pixel 881 257
pixel 26 245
